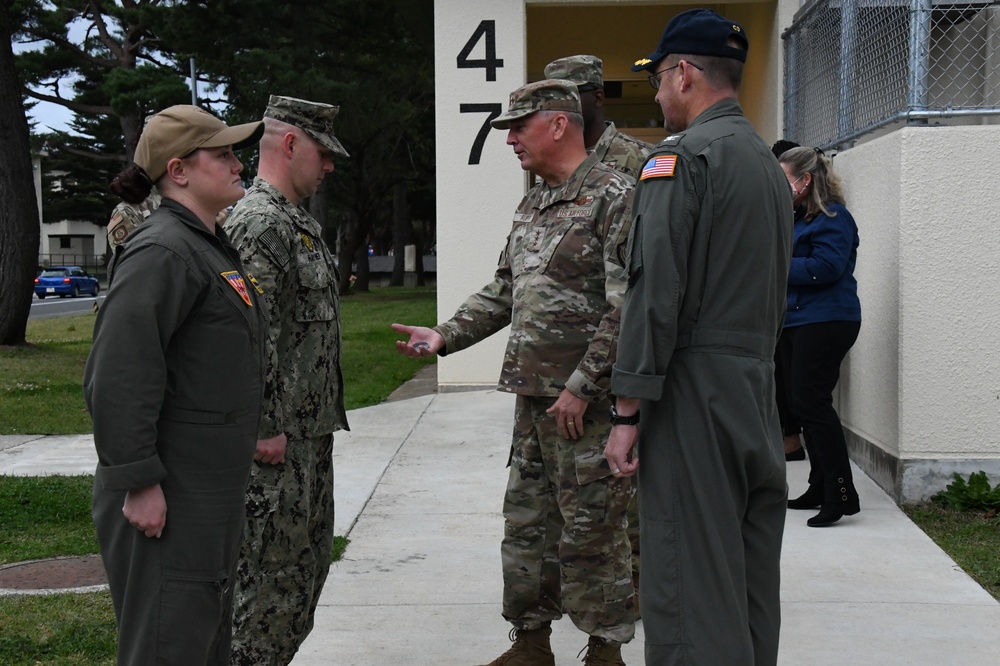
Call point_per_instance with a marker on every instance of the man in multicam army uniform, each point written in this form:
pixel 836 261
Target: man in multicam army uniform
pixel 286 549
pixel 619 151
pixel 126 217
pixel 559 284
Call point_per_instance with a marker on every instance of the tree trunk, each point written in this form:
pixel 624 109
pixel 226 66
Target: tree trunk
pixel 18 205
pixel 362 269
pixel 354 250
pixel 402 233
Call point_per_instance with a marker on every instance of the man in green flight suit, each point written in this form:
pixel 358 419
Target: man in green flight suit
pixel 709 260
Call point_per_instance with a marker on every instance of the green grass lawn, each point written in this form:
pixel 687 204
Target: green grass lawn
pixel 41 393
pixel 971 538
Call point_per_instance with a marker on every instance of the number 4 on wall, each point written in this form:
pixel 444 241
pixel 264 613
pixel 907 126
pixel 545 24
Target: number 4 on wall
pixel 490 63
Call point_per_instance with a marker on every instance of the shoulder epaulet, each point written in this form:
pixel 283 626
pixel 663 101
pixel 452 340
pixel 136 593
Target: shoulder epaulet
pixel 672 140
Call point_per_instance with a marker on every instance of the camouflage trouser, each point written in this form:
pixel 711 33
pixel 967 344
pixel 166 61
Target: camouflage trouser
pixel 285 555
pixel 565 544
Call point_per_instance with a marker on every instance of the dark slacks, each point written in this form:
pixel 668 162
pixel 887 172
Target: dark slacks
pixel 810 357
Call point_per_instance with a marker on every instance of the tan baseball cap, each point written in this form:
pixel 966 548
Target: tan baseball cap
pixel 180 130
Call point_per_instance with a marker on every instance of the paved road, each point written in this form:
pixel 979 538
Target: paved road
pixel 53 306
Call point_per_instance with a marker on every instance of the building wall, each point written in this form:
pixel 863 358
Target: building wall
pixel 920 393
pixel 475 202
pixel 86 240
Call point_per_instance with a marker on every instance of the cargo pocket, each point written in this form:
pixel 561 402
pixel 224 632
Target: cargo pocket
pixel 259 535
pixel 314 300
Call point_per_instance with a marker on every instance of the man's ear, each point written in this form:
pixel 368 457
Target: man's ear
pixel 559 123
pixel 598 98
pixel 288 144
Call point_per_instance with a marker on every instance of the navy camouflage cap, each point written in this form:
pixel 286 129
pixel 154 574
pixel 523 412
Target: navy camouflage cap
pixel 698 32
pixel 545 95
pixel 314 118
pixel 586 71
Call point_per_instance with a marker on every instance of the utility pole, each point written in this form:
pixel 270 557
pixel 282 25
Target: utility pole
pixel 194 86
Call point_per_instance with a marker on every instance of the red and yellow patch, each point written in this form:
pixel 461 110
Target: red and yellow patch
pixel 236 281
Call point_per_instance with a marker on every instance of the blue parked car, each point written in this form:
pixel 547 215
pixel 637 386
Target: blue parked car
pixel 66 281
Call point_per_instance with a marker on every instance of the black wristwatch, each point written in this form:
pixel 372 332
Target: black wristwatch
pixel 618 419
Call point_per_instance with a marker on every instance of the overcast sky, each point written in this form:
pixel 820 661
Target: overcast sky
pixel 50 117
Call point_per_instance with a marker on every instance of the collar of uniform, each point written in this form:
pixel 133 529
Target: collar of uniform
pixel 726 107
pixel 189 219
pixel 570 190
pixel 297 214
pixel 602 145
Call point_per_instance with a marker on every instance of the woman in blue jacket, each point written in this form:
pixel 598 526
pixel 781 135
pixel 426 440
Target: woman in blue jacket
pixel 821 325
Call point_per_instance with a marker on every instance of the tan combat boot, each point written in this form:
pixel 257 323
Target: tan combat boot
pixel 601 652
pixel 530 648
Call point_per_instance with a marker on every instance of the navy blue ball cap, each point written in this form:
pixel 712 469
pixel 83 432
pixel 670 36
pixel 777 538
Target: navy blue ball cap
pixel 697 32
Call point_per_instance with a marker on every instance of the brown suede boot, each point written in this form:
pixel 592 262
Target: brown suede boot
pixel 602 652
pixel 530 648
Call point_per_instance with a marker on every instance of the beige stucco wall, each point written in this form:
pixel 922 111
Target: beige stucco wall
pixel 922 384
pixel 868 393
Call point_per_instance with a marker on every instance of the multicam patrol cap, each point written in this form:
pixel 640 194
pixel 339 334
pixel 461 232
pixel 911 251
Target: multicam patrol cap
pixel 545 95
pixel 315 118
pixel 698 32
pixel 586 71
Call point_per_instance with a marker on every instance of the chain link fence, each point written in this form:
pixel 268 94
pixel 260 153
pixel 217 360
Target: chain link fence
pixel 857 67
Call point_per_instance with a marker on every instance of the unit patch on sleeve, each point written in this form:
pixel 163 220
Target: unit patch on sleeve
pixel 236 281
pixel 661 166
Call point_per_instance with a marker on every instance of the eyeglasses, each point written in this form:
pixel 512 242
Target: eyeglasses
pixel 654 78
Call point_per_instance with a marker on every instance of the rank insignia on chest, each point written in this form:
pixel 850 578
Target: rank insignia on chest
pixel 661 166
pixel 534 239
pixel 307 242
pixel 236 281
pixel 255 284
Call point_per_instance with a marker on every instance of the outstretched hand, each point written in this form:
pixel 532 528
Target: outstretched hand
pixel 422 341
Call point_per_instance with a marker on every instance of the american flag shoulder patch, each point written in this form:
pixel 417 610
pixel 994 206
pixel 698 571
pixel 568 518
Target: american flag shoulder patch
pixel 661 166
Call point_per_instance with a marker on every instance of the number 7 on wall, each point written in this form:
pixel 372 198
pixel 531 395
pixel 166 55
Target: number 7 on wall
pixel 477 146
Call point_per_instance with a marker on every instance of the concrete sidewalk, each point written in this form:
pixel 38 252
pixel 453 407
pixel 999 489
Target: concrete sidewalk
pixel 419 489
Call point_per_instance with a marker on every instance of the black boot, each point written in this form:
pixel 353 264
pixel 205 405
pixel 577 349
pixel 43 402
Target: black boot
pixel 810 499
pixel 831 512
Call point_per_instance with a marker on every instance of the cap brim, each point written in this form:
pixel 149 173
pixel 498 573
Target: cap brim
pixel 650 62
pixel 504 121
pixel 238 136
pixel 329 142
